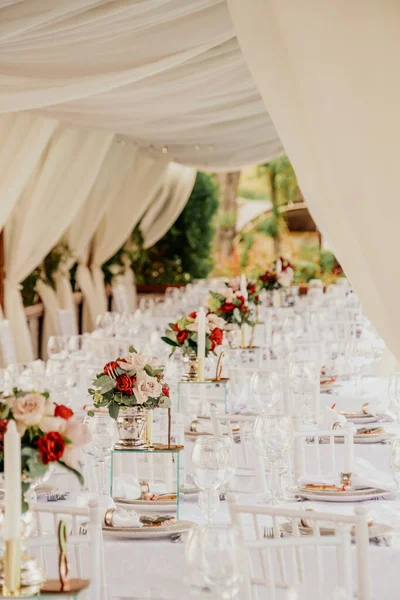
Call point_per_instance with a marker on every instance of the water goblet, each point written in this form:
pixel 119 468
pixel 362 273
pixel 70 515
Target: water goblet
pixel 210 461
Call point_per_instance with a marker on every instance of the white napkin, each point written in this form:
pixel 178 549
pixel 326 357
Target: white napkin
pixel 330 417
pixel 375 407
pixel 124 518
pixel 364 474
pixel 127 487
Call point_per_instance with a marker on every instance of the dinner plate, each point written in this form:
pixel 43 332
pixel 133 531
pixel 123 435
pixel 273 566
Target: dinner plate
pixel 158 506
pixel 142 533
pixel 327 496
pixel 374 530
pixel 360 419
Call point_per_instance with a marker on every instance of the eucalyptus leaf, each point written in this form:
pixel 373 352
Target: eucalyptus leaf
pixel 113 410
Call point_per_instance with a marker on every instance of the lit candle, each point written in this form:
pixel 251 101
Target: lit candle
pixel 201 341
pixel 12 482
pixel 12 510
pixel 243 286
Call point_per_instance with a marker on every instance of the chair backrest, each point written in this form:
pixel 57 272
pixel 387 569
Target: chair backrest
pixel 248 465
pixel 300 561
pixel 66 319
pixel 85 541
pixel 7 346
pixel 322 452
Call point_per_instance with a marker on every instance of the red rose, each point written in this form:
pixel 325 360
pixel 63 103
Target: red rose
pixel 109 368
pixel 241 300
pixel 193 315
pixel 51 447
pixel 243 308
pixel 257 298
pixel 216 337
pixel 251 288
pixel 3 427
pixel 175 327
pixel 63 411
pixel 227 307
pixel 165 391
pixel 125 384
pixel 182 336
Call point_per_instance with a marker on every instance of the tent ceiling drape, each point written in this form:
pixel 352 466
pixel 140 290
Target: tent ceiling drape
pixel 161 72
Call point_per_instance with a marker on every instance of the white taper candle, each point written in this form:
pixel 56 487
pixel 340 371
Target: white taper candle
pixel 201 341
pixel 12 482
pixel 243 286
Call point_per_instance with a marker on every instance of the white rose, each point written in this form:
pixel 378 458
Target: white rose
pixel 78 433
pixel 28 410
pixel 214 321
pixel 192 327
pixel 137 362
pixel 146 387
pixel 48 424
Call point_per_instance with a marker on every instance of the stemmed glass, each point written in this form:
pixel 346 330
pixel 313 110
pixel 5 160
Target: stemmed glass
pixel 395 461
pixel 103 435
pixel 272 437
pixel 57 346
pixel 304 379
pixel 61 378
pixel 210 461
pixel 215 562
pixel 283 345
pixel 265 390
pixel 394 394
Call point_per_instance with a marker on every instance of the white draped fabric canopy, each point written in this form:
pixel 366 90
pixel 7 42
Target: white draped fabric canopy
pixel 165 73
pixel 329 75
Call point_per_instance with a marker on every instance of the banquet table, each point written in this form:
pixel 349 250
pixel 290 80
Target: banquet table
pixel 155 569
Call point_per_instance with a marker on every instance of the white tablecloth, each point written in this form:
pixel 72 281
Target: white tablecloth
pixel 155 570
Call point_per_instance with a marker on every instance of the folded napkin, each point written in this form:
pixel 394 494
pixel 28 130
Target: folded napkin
pixel 364 475
pixel 374 407
pixel 120 517
pixel 330 417
pixel 127 487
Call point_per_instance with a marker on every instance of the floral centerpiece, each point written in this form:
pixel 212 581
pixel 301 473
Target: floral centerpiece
pixel 129 387
pixel 231 306
pixel 278 275
pixel 253 287
pixel 49 434
pixel 183 333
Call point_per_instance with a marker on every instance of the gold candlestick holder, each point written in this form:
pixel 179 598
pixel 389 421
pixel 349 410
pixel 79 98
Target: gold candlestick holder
pixel 12 569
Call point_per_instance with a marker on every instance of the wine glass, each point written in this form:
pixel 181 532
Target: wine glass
pixel 103 435
pixel 394 394
pixel 283 345
pixel 304 379
pixel 61 378
pixel 57 346
pixel 395 461
pixel 210 462
pixel 215 562
pixel 265 390
pixel 272 437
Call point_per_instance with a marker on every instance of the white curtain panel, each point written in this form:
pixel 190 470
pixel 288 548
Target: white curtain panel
pixel 329 75
pixel 23 140
pixel 58 187
pixel 162 72
pixel 137 191
pixel 117 164
pixel 169 204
